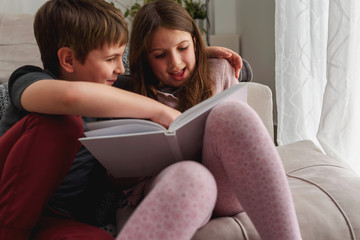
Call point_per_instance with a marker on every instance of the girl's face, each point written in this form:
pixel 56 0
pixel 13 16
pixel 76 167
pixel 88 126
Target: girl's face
pixel 172 56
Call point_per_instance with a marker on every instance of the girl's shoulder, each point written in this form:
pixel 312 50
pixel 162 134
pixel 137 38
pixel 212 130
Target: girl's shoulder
pixel 220 64
pixel 222 73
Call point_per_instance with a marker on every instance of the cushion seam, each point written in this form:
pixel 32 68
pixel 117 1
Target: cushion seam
pixel 351 230
pixel 317 165
pixel 241 226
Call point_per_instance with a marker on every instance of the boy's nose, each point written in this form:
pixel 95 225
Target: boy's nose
pixel 120 68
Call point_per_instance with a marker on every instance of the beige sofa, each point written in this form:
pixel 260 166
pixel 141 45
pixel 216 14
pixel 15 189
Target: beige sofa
pixel 326 192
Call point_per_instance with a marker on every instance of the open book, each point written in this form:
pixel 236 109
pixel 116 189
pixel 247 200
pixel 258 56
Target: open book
pixel 137 147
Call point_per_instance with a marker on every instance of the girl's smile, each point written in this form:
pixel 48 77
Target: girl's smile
pixel 179 75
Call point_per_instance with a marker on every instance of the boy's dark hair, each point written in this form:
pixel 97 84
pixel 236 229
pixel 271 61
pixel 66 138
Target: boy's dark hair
pixel 81 25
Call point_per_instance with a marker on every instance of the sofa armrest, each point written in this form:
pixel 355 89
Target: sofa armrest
pixel 260 99
pixel 4 98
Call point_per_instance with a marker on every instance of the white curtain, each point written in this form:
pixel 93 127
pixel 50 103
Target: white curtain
pixel 317 44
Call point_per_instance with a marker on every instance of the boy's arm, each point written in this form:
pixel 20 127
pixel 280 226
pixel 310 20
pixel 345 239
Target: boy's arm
pixel 93 100
pixel 233 58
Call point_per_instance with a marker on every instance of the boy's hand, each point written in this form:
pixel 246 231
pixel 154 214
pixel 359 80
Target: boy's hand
pixel 233 58
pixel 166 116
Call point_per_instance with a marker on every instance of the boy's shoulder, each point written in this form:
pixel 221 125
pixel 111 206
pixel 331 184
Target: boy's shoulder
pixel 22 77
pixel 24 70
pixel 29 74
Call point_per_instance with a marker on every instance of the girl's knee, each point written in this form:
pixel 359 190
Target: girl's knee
pixel 190 177
pixel 191 171
pixel 229 117
pixel 233 110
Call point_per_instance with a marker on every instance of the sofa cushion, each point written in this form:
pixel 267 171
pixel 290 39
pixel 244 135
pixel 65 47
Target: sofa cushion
pixel 325 192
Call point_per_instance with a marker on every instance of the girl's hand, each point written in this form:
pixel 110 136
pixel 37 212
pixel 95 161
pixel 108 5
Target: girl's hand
pixel 233 58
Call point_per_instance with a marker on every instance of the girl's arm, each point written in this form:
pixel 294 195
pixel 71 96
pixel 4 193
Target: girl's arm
pixel 93 100
pixel 233 58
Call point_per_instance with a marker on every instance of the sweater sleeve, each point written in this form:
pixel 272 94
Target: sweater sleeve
pixel 222 74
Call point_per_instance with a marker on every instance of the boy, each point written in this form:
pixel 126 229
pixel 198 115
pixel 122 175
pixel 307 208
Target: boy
pixel 80 44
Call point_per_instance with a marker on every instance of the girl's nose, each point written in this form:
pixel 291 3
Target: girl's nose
pixel 175 60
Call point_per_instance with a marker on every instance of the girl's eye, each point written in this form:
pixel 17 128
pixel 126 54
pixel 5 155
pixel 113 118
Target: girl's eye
pixel 110 59
pixel 162 55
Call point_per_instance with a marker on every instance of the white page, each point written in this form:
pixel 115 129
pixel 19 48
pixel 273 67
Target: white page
pixel 237 92
pixel 117 122
pixel 122 130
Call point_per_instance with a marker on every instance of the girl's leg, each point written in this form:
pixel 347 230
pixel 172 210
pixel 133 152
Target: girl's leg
pixel 248 170
pixel 36 154
pixel 180 201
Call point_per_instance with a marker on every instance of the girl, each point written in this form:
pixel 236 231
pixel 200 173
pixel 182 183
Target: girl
pixel 168 63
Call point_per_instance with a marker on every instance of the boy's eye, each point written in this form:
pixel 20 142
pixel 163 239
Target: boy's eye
pixel 114 58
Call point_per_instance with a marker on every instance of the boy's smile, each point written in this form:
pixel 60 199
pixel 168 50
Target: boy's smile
pixel 172 56
pixel 102 65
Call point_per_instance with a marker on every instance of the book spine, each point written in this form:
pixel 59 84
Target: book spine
pixel 174 145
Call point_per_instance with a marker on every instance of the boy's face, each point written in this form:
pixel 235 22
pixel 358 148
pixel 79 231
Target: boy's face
pixel 102 65
pixel 172 56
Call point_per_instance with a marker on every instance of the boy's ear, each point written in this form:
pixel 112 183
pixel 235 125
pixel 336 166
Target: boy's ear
pixel 66 59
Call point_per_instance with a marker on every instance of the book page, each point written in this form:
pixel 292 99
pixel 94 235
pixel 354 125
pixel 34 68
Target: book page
pixel 121 130
pixel 122 127
pixel 237 92
pixel 141 123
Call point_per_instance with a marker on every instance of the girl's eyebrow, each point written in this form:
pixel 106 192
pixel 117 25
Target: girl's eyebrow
pixel 156 49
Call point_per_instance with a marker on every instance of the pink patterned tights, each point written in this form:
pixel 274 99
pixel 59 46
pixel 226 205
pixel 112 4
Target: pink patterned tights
pixel 249 176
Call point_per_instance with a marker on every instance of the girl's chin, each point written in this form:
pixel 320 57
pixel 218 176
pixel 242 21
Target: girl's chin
pixel 177 83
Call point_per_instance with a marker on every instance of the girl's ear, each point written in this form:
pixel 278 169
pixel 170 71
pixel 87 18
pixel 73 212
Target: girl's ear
pixel 66 59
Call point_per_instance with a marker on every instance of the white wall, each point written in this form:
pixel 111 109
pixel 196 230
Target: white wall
pixel 224 17
pixel 256 28
pixel 21 6
pixel 253 21
pixel 31 6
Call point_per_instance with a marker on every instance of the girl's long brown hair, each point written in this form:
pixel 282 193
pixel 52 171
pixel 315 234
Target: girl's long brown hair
pixel 168 14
